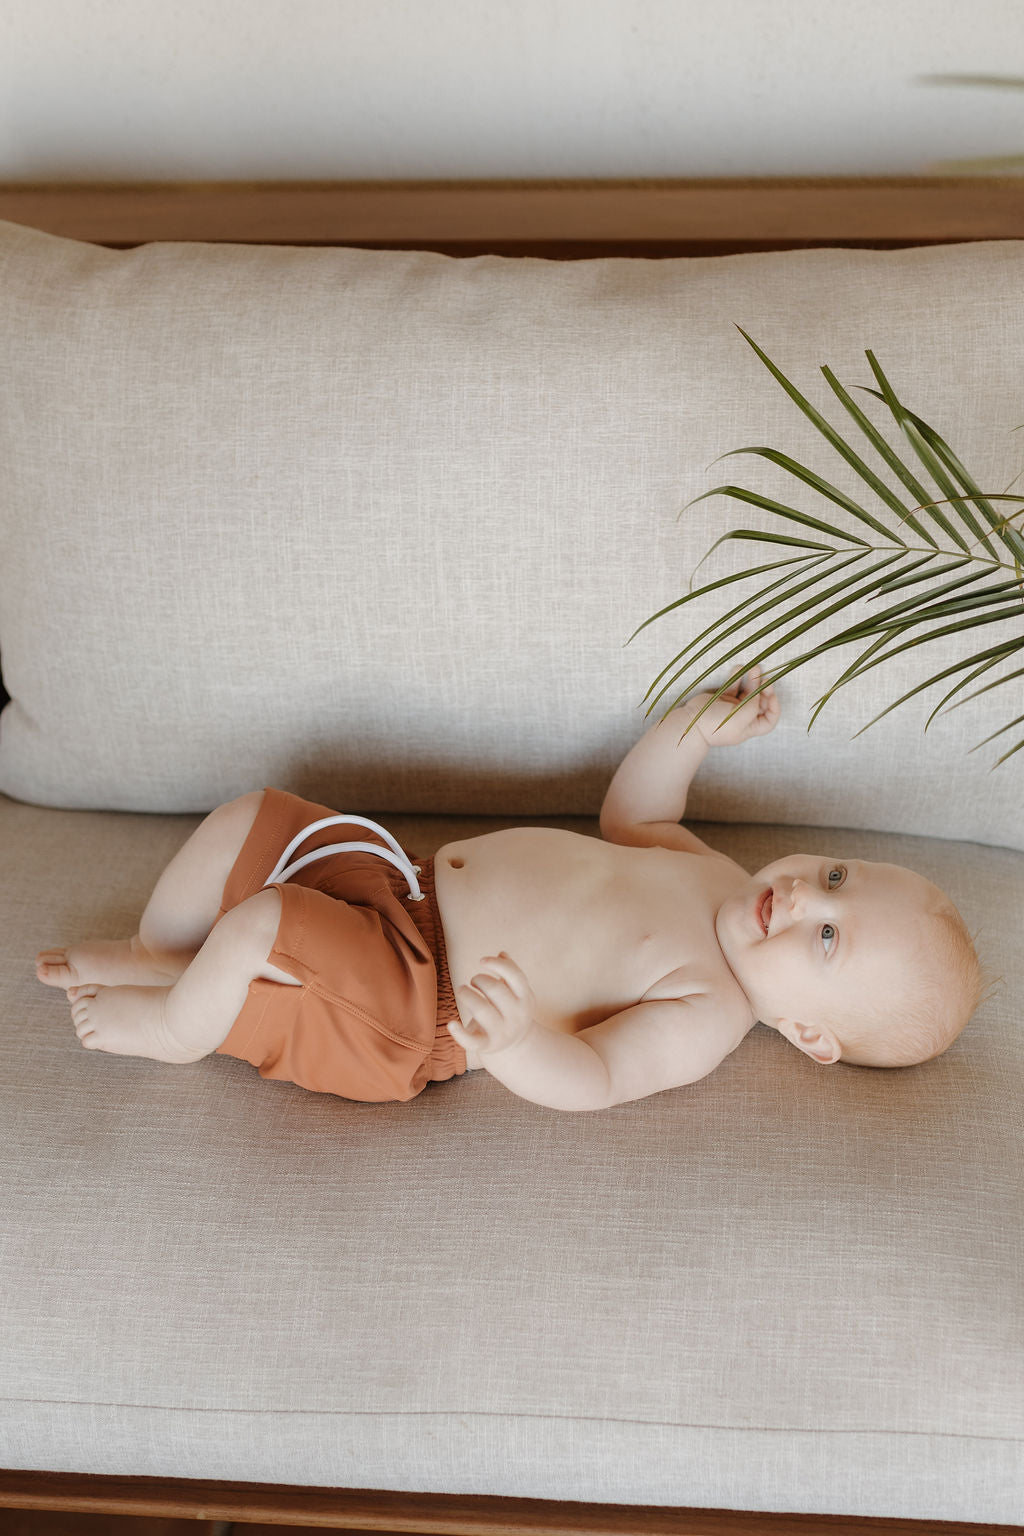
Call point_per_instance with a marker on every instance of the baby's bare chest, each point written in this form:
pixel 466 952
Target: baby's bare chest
pixel 593 925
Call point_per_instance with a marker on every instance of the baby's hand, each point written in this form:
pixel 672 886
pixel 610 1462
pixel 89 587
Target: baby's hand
pixel 497 1008
pixel 757 717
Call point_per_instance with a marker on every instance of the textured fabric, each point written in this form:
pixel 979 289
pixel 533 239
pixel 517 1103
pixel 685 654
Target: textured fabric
pixel 786 1287
pixel 368 1021
pixel 376 525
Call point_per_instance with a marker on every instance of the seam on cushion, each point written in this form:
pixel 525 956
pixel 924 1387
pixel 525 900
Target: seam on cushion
pixel 494 1413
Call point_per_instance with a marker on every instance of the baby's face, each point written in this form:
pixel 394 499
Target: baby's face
pixel 813 936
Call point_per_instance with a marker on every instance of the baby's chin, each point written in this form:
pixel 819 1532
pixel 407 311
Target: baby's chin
pixel 738 930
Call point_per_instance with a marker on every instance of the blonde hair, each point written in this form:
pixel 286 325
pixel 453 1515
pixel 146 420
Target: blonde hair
pixel 944 987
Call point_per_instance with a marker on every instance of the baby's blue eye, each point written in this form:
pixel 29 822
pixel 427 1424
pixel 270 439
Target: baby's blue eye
pixel 828 934
pixel 838 870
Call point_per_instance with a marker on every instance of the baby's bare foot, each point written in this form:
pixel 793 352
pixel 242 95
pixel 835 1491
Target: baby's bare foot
pixel 110 962
pixel 128 1021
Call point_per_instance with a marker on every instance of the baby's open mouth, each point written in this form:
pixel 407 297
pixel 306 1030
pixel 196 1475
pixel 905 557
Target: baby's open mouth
pixel 765 910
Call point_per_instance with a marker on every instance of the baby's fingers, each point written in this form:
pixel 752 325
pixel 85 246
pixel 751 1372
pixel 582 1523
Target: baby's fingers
pixel 473 1037
pixel 471 1028
pixel 466 1035
pixel 768 711
pixel 504 968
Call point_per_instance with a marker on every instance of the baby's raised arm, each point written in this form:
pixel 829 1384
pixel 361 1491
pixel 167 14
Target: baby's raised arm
pixel 647 797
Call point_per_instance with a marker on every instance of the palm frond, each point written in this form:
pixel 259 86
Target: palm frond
pixel 937 458
pixel 912 579
pixel 739 608
pixel 748 614
pixel 779 509
pixel 815 482
pixel 1009 678
pixel 992 657
pixel 956 533
pixel 770 630
pixel 713 586
pixel 830 434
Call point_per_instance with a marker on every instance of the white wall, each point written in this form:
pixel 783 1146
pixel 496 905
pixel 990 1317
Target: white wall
pixel 293 89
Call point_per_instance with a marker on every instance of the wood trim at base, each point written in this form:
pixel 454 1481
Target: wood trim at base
pixel 431 1514
pixel 545 217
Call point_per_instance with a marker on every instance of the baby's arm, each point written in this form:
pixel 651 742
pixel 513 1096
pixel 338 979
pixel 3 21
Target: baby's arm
pixel 655 1045
pixel 647 797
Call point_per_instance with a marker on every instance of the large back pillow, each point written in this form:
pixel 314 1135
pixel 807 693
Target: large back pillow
pixel 375 526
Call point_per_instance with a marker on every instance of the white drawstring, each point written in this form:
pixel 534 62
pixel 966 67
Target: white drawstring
pixel 283 870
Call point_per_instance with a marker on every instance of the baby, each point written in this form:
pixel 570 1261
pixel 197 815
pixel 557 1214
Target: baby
pixel 581 972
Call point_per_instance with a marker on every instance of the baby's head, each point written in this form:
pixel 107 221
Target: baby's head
pixel 851 960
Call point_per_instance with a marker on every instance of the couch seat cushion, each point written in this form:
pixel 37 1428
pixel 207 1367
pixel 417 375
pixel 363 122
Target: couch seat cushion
pixel 785 1287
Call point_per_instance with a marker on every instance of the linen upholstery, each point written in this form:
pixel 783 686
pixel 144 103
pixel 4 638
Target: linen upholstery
pixel 786 1287
pixel 375 526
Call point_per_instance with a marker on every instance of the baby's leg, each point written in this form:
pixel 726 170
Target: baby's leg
pixel 178 917
pixel 189 1020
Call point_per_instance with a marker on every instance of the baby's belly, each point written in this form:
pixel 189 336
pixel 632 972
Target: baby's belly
pixel 557 909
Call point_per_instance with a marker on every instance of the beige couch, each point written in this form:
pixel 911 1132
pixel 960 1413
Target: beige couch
pixel 375 526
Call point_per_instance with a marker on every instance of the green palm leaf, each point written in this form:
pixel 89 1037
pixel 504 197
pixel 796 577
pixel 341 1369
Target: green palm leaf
pixel 885 451
pixel 995 654
pixel 934 454
pixel 809 478
pixel 839 443
pixel 747 613
pixel 739 608
pixel 953 530
pixel 1009 678
pixel 770 630
pixel 790 513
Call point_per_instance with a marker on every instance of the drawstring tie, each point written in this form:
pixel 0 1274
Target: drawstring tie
pixel 283 870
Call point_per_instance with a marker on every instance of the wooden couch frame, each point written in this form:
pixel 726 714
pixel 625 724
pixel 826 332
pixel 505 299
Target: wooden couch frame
pixel 564 220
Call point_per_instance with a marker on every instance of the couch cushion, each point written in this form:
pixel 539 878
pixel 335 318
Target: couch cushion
pixel 376 525
pixel 786 1287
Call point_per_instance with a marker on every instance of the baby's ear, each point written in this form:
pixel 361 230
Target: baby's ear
pixel 817 1042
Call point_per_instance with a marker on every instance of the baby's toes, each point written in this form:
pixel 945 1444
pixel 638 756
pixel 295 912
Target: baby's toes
pixel 85 1027
pixel 53 970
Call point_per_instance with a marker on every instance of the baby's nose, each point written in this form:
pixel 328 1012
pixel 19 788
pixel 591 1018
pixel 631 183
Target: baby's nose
pixel 805 897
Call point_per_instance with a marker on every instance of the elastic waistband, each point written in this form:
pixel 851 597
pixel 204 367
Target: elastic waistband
pixel 447 1059
pixel 427 917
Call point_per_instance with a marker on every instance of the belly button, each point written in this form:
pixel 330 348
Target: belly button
pixel 457 863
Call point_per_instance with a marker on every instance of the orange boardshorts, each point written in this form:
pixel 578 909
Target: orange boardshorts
pixel 368 1020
